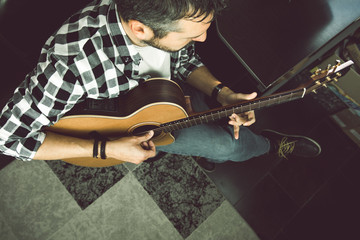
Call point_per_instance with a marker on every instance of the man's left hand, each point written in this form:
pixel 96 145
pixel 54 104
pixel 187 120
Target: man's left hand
pixel 245 119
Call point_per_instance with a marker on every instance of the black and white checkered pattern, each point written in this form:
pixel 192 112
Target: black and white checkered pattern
pixel 88 57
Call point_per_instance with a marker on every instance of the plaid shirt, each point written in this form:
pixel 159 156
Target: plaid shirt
pixel 90 56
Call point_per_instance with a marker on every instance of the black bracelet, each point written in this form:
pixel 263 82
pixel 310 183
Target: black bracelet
pixel 102 149
pixel 96 148
pixel 216 91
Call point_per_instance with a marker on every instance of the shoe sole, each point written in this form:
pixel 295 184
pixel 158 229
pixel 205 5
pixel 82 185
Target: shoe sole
pixel 203 168
pixel 298 136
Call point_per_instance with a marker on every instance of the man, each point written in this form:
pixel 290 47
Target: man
pixel 107 49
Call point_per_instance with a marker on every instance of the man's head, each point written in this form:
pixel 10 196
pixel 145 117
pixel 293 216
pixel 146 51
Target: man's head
pixel 189 18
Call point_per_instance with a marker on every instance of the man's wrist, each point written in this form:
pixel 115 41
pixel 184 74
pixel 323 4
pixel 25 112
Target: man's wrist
pixel 216 90
pixel 223 94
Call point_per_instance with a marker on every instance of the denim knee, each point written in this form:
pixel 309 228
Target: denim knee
pixel 248 145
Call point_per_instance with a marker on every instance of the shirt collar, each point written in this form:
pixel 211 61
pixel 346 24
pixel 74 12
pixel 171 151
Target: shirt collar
pixel 124 45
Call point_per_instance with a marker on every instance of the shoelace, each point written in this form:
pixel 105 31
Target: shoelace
pixel 285 147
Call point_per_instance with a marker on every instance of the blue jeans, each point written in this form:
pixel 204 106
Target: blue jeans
pixel 213 141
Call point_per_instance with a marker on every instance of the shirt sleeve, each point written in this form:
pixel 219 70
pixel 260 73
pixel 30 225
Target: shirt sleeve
pixel 45 95
pixel 186 62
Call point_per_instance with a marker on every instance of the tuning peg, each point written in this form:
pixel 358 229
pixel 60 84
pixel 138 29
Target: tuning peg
pixel 335 79
pixel 324 85
pixel 338 74
pixel 314 91
pixel 338 63
pixel 318 71
pixel 318 83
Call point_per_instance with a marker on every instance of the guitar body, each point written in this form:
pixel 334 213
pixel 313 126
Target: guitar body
pixel 149 105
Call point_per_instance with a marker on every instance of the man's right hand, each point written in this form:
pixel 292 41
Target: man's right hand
pixel 134 149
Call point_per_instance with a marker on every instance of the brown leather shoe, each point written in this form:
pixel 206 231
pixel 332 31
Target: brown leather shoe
pixel 287 145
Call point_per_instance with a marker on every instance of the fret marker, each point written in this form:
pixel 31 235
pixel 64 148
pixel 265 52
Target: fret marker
pixel 303 92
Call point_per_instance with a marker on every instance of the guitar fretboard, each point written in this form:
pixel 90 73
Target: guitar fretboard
pixel 217 114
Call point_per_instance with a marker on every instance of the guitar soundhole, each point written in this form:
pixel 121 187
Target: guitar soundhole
pixel 144 129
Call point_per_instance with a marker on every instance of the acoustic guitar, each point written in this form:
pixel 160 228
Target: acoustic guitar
pixel 159 105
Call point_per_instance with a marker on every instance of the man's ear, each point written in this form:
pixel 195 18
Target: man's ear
pixel 140 30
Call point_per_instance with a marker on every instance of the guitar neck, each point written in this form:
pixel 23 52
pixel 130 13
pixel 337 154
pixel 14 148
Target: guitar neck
pixel 223 112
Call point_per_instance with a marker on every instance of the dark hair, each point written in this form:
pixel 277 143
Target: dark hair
pixel 160 15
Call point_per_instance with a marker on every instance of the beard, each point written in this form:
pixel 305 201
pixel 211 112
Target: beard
pixel 154 42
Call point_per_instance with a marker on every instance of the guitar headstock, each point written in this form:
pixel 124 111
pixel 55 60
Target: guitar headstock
pixel 332 73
